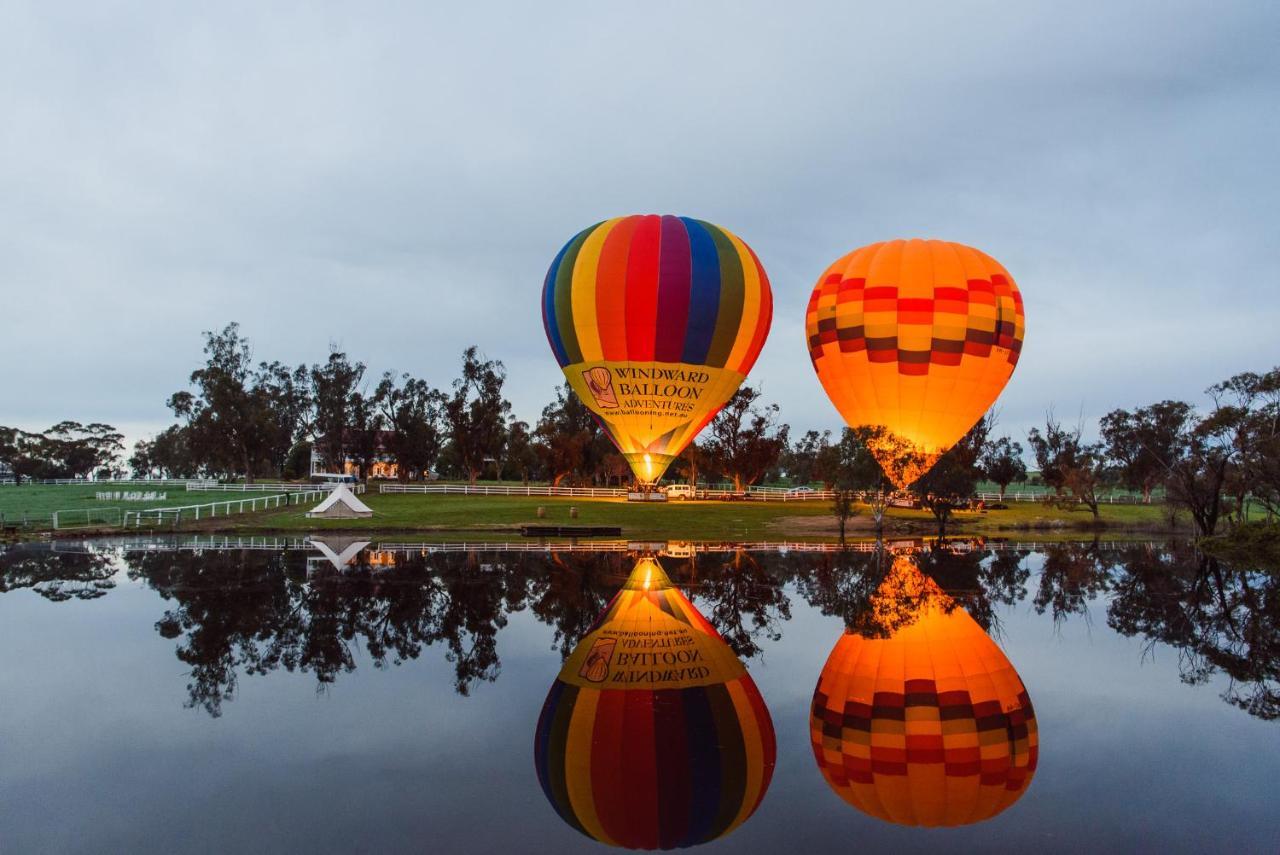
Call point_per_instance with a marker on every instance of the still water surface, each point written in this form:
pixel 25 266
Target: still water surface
pixel 337 697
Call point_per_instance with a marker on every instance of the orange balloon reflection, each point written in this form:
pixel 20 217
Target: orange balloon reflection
pixel 929 725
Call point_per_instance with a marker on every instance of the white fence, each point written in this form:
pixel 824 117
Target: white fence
pixel 215 487
pixel 86 518
pixel 104 482
pixel 502 490
pixel 751 494
pixel 211 510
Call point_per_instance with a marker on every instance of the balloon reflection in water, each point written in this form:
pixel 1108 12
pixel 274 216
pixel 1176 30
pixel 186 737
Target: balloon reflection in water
pixel 929 725
pixel 654 735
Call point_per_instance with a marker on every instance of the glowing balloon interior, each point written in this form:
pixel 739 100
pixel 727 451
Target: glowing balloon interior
pixel 654 735
pixel 918 338
pixel 656 321
pixel 929 726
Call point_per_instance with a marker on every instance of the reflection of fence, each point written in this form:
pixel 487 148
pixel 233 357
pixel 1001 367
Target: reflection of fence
pixel 200 543
pixel 779 546
pixel 212 510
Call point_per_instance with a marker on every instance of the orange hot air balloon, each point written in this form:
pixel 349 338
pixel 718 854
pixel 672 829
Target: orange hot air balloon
pixel 654 736
pixel 655 322
pixel 914 338
pixel 929 726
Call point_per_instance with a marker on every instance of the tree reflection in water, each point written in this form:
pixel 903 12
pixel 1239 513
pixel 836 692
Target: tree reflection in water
pixel 234 613
pixel 1217 618
pixel 57 576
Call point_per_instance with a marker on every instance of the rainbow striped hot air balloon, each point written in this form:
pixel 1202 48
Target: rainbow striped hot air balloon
pixel 654 736
pixel 918 338
pixel 929 726
pixel 656 321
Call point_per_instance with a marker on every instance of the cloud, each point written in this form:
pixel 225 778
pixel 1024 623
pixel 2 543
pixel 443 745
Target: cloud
pixel 398 181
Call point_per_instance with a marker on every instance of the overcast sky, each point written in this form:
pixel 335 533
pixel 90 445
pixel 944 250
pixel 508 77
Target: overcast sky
pixel 397 180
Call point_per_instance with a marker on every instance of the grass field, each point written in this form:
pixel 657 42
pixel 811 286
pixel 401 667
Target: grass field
pixel 445 515
pixel 499 516
pixel 39 501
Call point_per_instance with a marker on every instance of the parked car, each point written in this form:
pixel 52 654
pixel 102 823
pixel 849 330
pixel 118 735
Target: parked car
pixel 795 492
pixel 683 492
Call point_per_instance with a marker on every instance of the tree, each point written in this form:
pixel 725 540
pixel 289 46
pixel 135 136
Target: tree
pixel 950 482
pixel 569 441
pixel 1074 468
pixel 171 453
pixel 73 450
pixel 141 463
pixel 414 419
pixel 283 400
pixel 1140 442
pixel 845 508
pixel 521 457
pixel 477 413
pixel 242 419
pixel 364 431
pixel 1255 474
pixel 298 462
pixel 1002 463
pixel 22 452
pixel 744 442
pixel 800 461
pixel 1201 461
pixel 66 450
pixel 849 467
pixel 334 386
pixel 691 462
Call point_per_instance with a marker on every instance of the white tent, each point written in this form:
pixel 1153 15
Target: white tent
pixel 341 504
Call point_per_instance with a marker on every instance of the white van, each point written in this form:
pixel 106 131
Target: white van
pixel 680 491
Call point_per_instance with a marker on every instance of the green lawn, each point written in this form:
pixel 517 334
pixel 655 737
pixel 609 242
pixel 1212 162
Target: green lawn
pixel 500 515
pixel 41 500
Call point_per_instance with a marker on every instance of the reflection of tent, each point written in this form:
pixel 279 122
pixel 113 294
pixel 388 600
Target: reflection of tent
pixel 929 725
pixel 340 554
pixel 654 735
pixel 341 504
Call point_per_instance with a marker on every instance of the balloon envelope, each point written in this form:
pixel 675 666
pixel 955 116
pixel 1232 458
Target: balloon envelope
pixel 656 321
pixel 917 338
pixel 654 736
pixel 930 725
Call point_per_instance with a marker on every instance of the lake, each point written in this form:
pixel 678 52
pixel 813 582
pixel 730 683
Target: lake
pixel 214 695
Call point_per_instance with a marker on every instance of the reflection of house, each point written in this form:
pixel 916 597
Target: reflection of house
pixel 383 464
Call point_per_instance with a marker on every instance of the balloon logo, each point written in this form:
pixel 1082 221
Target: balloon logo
pixel 930 725
pixel 916 338
pixel 656 321
pixel 654 736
